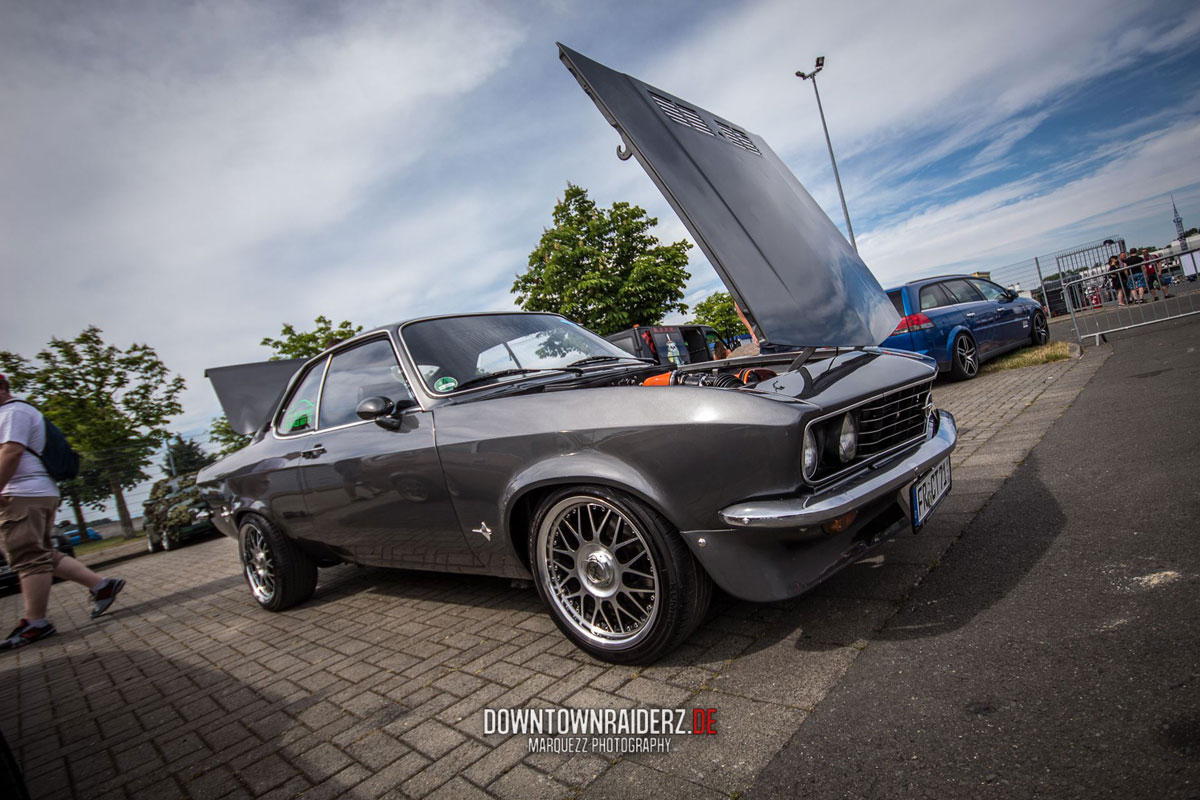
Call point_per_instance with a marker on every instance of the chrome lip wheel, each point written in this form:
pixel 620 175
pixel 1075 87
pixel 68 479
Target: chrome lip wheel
pixel 260 566
pixel 964 351
pixel 597 569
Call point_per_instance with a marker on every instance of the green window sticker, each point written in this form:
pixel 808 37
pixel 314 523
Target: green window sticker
pixel 446 384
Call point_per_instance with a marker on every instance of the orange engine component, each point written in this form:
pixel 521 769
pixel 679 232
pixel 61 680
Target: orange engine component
pixel 663 379
pixel 755 374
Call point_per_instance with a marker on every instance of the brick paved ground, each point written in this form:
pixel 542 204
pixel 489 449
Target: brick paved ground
pixel 375 687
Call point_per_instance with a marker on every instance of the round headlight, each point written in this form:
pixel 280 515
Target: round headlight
pixel 848 439
pixel 811 454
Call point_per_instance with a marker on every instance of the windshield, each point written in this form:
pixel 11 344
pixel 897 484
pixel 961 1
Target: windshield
pixel 454 350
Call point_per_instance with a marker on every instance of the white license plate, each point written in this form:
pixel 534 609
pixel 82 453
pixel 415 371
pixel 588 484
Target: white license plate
pixel 929 490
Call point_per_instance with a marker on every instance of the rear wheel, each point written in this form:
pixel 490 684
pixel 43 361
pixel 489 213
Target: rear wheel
pixel 964 364
pixel 615 575
pixel 168 543
pixel 279 574
pixel 1040 331
pixel 153 544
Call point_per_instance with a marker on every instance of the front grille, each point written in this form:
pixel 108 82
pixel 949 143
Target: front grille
pixel 892 420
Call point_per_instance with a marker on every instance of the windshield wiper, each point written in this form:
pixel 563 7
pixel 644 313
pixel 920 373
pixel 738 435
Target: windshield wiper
pixel 506 372
pixel 598 359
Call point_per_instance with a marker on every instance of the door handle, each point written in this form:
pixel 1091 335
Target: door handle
pixel 312 452
pixel 970 314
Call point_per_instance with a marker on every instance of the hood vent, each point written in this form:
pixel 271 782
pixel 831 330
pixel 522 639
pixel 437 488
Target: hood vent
pixel 737 137
pixel 682 114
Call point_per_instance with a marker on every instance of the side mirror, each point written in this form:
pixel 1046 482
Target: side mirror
pixel 384 411
pixel 374 408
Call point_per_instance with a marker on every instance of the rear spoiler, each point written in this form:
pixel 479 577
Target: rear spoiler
pixel 249 393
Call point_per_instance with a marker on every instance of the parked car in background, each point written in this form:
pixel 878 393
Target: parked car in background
pixel 176 511
pixel 8 578
pixel 961 321
pixel 673 345
pixel 70 531
pixel 525 446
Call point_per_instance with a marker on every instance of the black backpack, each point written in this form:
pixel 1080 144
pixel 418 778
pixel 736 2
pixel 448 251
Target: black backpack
pixel 60 461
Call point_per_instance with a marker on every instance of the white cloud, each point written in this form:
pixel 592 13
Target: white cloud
pixel 194 176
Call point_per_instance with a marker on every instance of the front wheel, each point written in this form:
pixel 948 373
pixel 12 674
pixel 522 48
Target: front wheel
pixel 279 574
pixel 1040 333
pixel 964 364
pixel 615 575
pixel 153 544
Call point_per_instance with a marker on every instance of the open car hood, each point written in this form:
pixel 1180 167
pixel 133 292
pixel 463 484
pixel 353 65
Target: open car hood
pixel 250 392
pixel 785 263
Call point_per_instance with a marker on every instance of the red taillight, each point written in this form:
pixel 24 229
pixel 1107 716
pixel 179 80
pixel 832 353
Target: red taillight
pixel 913 322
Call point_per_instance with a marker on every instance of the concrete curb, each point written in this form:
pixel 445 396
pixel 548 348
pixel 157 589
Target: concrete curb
pixel 107 558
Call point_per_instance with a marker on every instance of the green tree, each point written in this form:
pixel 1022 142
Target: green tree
pixel 305 344
pixel 222 434
pixel 717 310
pixel 113 406
pixel 184 456
pixel 603 268
pixel 290 344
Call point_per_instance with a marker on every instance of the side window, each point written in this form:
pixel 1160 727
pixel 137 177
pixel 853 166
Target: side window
pixel 961 292
pixel 626 343
pixel 934 296
pixel 300 412
pixel 368 370
pixel 990 290
pixel 897 301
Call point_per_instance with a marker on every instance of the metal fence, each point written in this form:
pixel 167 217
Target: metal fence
pixel 1116 297
pixel 1078 283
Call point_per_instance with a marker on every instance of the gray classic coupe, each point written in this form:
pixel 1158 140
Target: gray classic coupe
pixel 525 446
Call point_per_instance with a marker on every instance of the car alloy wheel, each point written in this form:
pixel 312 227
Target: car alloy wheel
pixel 152 543
pixel 1041 331
pixel 966 357
pixel 260 564
pixel 599 571
pixel 279 573
pixel 167 542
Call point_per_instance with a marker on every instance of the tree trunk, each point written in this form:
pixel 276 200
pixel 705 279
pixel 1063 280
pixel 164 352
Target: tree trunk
pixel 80 522
pixel 122 509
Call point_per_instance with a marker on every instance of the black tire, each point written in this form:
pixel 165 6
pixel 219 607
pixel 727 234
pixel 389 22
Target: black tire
pixel 153 542
pixel 665 576
pixel 168 542
pixel 266 552
pixel 964 358
pixel 1039 331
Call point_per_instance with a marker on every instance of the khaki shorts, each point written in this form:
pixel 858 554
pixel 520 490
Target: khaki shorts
pixel 25 525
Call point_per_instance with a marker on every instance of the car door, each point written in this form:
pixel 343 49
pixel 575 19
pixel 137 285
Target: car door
pixel 979 314
pixel 1012 318
pixel 376 495
pixel 274 480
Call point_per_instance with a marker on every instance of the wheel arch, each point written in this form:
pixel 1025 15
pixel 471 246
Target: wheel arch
pixel 528 491
pixel 954 334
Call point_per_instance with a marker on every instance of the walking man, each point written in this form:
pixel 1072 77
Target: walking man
pixel 28 500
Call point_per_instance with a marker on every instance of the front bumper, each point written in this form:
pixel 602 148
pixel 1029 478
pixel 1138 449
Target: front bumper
pixel 776 549
pixel 816 509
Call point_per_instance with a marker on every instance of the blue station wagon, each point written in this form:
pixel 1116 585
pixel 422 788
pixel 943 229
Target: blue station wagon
pixel 962 321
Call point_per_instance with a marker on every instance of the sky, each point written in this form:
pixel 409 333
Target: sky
pixel 194 175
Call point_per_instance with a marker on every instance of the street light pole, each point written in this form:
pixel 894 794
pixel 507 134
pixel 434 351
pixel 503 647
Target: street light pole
pixel 837 178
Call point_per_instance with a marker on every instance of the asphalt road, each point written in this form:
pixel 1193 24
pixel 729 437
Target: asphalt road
pixel 1055 650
